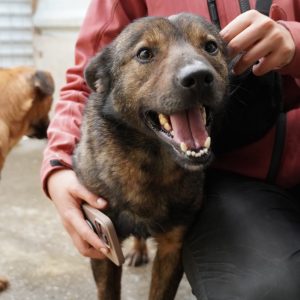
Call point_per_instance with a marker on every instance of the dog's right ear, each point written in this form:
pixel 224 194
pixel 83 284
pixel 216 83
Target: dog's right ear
pixel 98 72
pixel 43 83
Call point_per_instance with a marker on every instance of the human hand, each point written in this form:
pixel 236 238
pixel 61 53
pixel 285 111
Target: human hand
pixel 68 194
pixel 261 40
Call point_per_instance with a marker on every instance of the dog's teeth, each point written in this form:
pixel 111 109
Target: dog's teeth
pixel 164 122
pixel 207 143
pixel 183 147
pixel 200 152
pixel 167 127
pixel 163 119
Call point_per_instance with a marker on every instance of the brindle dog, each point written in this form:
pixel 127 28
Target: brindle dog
pixel 146 139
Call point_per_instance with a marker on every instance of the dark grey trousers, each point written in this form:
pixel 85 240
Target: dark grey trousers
pixel 245 243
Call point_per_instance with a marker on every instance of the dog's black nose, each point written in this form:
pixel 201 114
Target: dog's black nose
pixel 195 76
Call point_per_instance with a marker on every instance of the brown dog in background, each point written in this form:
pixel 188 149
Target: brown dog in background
pixel 25 101
pixel 146 137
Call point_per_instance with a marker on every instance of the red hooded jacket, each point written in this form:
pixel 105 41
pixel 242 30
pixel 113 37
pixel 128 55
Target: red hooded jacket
pixel 105 19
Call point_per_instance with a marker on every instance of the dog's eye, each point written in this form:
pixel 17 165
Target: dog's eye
pixel 144 54
pixel 211 47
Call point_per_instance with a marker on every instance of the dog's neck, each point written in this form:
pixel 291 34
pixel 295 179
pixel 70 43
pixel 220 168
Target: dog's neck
pixel 144 151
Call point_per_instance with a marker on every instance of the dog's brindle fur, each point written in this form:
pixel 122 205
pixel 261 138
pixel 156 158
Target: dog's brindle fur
pixel 25 101
pixel 151 189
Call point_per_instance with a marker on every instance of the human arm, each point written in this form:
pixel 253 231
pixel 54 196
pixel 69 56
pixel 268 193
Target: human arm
pixel 254 160
pixel 104 20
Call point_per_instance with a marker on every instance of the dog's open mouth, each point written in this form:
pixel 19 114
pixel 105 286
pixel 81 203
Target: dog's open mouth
pixel 187 131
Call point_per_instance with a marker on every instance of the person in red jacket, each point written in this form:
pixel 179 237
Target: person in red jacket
pixel 245 244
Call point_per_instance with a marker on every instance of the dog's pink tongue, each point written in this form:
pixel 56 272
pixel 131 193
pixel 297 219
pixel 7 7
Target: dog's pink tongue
pixel 188 127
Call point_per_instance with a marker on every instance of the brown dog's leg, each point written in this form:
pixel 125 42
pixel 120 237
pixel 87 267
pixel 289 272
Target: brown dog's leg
pixel 108 279
pixel 1 163
pixel 3 284
pixel 167 267
pixel 138 255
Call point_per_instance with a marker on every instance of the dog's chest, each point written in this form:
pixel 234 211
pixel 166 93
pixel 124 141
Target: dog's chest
pixel 143 203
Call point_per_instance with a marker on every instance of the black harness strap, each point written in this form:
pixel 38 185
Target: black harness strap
pixel 277 148
pixel 213 12
pixel 263 6
pixel 244 5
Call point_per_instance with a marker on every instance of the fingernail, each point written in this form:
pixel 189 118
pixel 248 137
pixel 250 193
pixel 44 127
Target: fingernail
pixel 224 35
pixel 104 250
pixel 101 202
pixel 222 32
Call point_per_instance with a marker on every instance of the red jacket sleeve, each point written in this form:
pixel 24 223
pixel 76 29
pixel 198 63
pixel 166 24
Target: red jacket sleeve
pixel 287 13
pixel 103 21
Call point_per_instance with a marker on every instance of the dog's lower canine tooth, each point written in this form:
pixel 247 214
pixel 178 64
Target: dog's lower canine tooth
pixel 207 142
pixel 183 147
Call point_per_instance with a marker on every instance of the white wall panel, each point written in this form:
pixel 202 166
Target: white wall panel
pixel 56 26
pixel 16 34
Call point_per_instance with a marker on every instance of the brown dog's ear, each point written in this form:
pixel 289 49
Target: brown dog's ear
pixel 43 82
pixel 98 72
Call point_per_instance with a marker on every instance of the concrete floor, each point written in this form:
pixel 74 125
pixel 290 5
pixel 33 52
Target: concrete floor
pixel 35 252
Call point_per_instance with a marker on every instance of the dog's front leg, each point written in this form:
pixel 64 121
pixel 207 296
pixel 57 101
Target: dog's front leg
pixel 108 279
pixel 167 266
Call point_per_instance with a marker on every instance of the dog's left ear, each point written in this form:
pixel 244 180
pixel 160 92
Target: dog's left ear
pixel 43 83
pixel 98 72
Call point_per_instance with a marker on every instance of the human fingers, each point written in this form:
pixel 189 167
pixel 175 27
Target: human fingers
pixel 83 247
pixel 264 41
pixel 282 53
pixel 273 52
pixel 267 64
pixel 237 25
pixel 64 182
pixel 244 41
pixel 67 194
pixel 82 235
pixel 251 57
pixel 78 191
pixel 246 30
